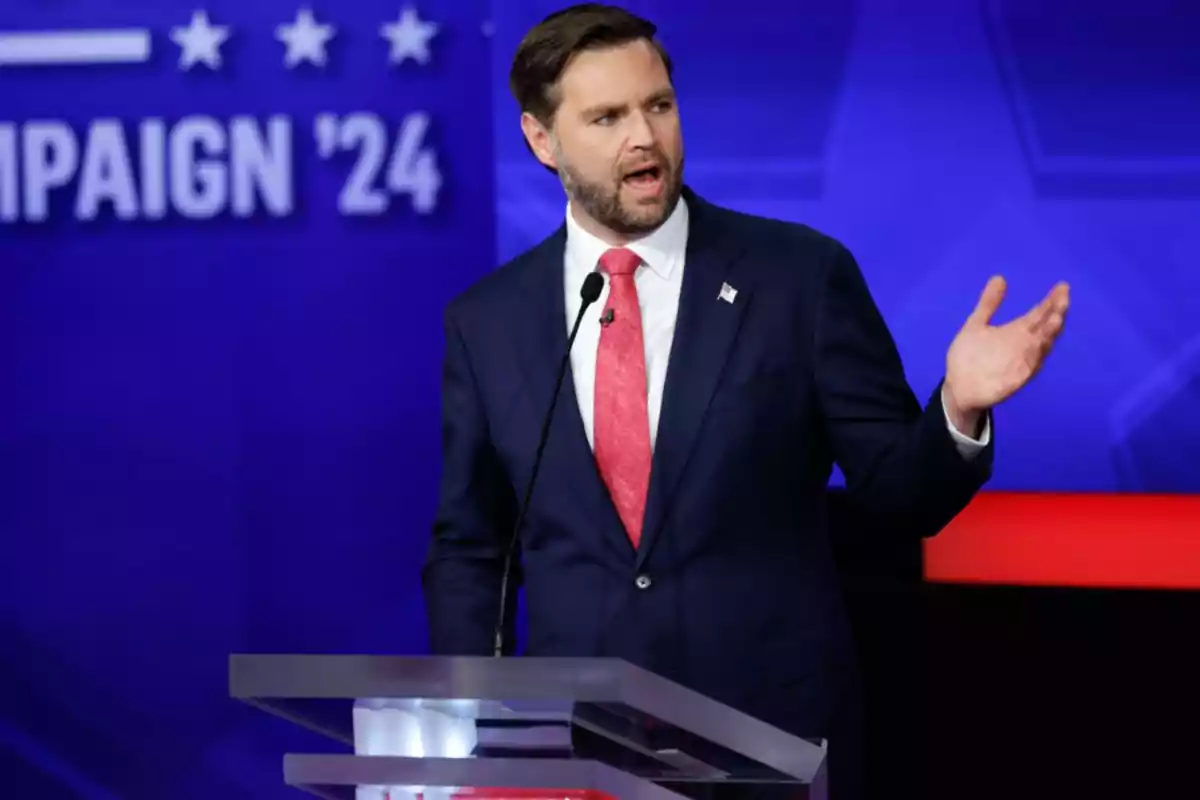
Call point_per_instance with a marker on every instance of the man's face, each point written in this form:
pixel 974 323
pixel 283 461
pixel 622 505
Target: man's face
pixel 615 139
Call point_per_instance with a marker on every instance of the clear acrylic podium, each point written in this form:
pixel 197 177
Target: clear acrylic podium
pixel 580 729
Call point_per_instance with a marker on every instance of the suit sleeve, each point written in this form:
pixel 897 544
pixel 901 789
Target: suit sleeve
pixel 476 510
pixel 900 461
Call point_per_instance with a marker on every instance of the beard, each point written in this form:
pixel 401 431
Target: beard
pixel 603 201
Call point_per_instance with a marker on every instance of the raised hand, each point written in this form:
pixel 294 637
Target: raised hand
pixel 987 363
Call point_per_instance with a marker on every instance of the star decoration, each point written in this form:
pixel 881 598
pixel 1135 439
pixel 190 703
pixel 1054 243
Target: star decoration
pixel 409 37
pixel 200 42
pixel 305 40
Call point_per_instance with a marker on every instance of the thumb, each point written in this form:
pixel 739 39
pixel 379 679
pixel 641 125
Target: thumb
pixel 989 301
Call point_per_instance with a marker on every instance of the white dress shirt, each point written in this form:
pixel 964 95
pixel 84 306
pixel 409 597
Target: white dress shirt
pixel 659 280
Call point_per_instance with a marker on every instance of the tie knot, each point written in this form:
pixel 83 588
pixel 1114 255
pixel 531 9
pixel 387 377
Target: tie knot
pixel 620 261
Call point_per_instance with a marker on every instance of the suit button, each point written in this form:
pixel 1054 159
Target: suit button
pixel 642 582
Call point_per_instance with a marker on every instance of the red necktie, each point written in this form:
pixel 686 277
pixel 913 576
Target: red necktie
pixel 622 423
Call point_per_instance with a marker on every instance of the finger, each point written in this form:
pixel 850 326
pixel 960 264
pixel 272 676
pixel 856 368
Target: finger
pixel 1035 318
pixel 1051 313
pixel 1044 341
pixel 1060 297
pixel 1054 303
pixel 989 301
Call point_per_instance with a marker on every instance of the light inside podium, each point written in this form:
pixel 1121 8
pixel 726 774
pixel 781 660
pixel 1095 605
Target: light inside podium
pixel 388 727
pixel 415 728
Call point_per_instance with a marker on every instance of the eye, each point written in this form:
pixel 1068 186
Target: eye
pixel 605 119
pixel 662 106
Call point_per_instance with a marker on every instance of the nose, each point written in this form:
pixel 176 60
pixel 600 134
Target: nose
pixel 640 132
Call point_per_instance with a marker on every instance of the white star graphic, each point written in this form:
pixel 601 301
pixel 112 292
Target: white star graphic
pixel 200 41
pixel 409 37
pixel 305 39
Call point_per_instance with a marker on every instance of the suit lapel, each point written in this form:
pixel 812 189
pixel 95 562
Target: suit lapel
pixel 542 342
pixel 705 329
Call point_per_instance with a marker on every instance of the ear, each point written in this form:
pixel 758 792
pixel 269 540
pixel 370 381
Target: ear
pixel 539 139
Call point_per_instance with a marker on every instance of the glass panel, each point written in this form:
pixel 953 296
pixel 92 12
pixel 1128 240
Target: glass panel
pixel 418 714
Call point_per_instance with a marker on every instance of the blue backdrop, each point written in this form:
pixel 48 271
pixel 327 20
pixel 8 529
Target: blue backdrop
pixel 221 291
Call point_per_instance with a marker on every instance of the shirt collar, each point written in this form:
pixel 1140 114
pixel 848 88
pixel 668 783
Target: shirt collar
pixel 662 250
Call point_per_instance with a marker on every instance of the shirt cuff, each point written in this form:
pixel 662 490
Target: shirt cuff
pixel 969 448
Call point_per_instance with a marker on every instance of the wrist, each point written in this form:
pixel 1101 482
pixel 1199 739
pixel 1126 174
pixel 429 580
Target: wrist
pixel 965 419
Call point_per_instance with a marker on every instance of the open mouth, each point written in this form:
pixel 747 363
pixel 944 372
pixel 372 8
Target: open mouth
pixel 645 177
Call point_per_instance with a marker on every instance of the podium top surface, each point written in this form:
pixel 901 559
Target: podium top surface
pixel 613 698
pixel 436 677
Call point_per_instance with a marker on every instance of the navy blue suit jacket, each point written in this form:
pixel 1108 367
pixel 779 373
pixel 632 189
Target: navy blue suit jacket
pixel 738 596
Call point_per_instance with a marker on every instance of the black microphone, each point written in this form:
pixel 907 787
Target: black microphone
pixel 592 285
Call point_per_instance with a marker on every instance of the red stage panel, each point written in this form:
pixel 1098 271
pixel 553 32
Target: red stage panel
pixel 1090 540
pixel 529 794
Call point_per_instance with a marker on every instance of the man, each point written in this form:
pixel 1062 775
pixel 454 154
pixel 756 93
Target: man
pixel 728 364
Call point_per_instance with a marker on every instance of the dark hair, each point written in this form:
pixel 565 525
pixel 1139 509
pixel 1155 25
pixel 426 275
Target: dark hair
pixel 549 47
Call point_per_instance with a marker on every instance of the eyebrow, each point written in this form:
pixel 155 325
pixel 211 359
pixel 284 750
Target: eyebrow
pixel 660 95
pixel 606 108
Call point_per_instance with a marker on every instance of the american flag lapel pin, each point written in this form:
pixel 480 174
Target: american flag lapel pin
pixel 728 293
